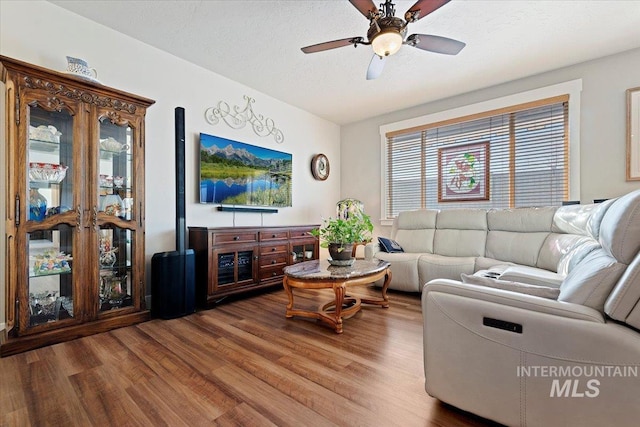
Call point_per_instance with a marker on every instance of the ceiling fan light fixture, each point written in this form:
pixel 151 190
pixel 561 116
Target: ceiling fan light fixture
pixel 387 42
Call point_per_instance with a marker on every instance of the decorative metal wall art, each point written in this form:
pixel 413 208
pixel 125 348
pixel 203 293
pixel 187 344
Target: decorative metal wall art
pixel 238 118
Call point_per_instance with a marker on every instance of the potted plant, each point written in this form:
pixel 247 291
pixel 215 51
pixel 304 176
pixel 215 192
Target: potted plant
pixel 339 235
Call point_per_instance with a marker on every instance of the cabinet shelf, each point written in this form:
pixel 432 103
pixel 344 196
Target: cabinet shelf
pixel 115 268
pixel 43 146
pixel 109 155
pixel 44 184
pixel 50 273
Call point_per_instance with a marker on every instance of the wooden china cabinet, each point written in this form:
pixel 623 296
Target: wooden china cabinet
pixel 74 207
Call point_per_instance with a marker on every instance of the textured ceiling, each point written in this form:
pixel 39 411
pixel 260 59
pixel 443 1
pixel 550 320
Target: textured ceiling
pixel 257 43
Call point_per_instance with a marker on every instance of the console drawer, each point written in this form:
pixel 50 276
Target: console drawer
pixel 300 233
pixel 274 249
pixel 273 260
pixel 267 235
pixel 272 273
pixel 239 237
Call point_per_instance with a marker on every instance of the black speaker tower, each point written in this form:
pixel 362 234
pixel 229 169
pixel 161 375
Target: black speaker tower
pixel 173 273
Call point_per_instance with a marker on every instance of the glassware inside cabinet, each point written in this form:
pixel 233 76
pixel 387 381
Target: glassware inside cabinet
pixel 116 174
pixel 115 257
pixel 303 252
pixel 50 280
pixel 49 154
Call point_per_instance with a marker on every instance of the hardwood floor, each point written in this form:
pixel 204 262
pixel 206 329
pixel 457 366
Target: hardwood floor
pixel 241 363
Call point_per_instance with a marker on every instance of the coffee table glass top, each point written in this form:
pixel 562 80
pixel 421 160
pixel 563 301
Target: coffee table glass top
pixel 321 269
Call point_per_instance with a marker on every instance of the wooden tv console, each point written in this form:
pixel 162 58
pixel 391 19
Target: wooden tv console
pixel 232 260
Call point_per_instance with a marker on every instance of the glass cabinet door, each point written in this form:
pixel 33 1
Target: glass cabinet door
pixel 303 251
pixel 50 277
pixel 47 294
pixel 115 215
pixel 49 163
pixel 116 248
pixel 116 172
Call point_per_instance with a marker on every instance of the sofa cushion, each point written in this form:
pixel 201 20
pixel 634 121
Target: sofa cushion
pixel 414 230
pixel 595 221
pixel 432 266
pixel 576 254
pixel 519 248
pixel 523 288
pixel 417 241
pixel 404 270
pixel 532 276
pixel 484 263
pixel 522 220
pixel 557 246
pixel 416 219
pixel 462 219
pixel 459 242
pixel 573 219
pixel 623 303
pixel 388 245
pixel 591 282
pixel 460 232
pixel 620 228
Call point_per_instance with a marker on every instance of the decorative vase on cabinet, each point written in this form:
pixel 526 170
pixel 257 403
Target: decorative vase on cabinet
pixel 74 207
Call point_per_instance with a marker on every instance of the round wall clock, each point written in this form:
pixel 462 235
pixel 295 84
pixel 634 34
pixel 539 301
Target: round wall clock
pixel 320 167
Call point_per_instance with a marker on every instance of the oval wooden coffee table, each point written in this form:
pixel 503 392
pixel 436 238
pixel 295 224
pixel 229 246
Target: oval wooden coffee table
pixel 321 275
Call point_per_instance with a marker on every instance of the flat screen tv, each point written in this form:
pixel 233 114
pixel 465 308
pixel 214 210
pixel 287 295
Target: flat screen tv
pixel 239 174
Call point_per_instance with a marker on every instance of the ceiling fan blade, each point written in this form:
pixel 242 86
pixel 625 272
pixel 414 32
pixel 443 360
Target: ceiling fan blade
pixel 422 8
pixel 375 67
pixel 365 7
pixel 435 44
pixel 332 44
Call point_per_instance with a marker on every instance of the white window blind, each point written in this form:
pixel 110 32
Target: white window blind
pixel 527 159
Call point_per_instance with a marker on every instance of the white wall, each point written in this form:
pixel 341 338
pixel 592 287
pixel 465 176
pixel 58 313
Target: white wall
pixel 602 130
pixel 43 34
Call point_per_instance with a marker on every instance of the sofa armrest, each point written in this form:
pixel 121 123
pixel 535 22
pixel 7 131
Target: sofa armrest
pixel 370 250
pixel 482 347
pixel 514 299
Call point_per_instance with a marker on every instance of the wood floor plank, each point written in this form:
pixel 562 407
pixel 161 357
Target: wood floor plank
pixel 241 363
pixel 319 399
pixel 241 416
pixel 264 347
pixel 190 385
pixel 50 401
pixel 186 340
pixel 105 404
pixel 360 390
pixel 278 407
pixel 118 362
pixel 12 398
pixel 297 346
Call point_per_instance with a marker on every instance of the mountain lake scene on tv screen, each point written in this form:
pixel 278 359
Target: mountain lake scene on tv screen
pixel 235 173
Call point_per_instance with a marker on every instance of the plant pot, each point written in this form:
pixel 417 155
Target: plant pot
pixel 340 251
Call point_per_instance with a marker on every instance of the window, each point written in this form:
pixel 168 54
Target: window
pixel 521 154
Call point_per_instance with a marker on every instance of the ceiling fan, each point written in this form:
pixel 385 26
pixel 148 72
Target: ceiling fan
pixel 387 33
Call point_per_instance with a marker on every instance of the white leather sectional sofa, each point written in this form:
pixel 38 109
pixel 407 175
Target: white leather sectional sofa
pixel 519 359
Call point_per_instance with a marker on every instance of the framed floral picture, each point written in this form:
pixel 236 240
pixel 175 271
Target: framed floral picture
pixel 463 173
pixel 633 134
